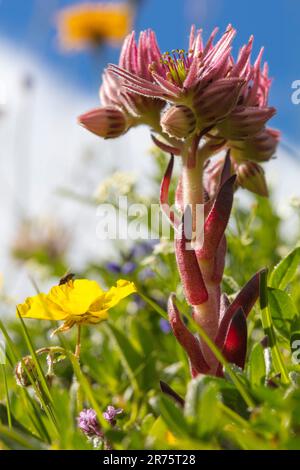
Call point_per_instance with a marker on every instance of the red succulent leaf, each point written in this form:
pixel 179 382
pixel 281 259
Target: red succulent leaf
pixel 179 195
pixel 219 261
pixel 224 305
pixel 166 147
pixel 235 345
pixel 165 185
pixel 245 299
pixel 217 220
pixel 164 192
pixel 226 171
pixel 187 340
pixel 191 276
pixel 167 390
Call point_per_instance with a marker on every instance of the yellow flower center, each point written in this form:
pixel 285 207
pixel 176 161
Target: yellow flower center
pixel 176 65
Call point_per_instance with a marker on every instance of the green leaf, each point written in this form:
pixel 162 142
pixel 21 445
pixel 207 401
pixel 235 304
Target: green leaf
pixel 295 341
pixel 285 270
pixel 201 399
pixel 42 378
pixel 145 344
pixel 15 424
pixel 283 311
pixel 158 430
pixel 257 366
pixel 16 440
pixel 173 416
pixel 3 367
pixel 130 358
pixel 30 405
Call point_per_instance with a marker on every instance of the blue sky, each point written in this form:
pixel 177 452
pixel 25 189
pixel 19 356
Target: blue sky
pixel 275 25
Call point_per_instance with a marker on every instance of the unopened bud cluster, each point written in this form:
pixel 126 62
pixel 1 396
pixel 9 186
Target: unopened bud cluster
pixel 24 370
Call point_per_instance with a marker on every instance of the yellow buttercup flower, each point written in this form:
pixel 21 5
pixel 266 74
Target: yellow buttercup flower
pixel 79 301
pixel 90 24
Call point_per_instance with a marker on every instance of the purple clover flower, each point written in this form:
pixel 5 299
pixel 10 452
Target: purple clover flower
pixel 111 413
pixel 88 423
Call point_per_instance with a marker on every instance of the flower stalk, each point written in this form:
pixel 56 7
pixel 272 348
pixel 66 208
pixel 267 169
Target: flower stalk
pixel 200 102
pixel 78 342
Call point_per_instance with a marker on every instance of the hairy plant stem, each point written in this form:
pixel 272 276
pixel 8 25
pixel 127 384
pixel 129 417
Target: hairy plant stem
pixel 205 314
pixel 78 343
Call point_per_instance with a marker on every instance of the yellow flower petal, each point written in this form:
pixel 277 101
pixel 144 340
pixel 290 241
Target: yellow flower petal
pixel 76 297
pixel 80 301
pixel 116 294
pixel 91 24
pixel 41 308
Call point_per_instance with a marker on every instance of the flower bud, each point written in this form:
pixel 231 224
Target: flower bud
pixel 178 121
pixel 107 122
pixel 111 414
pixel 22 371
pixel 260 148
pixel 244 122
pixel 217 100
pixel 251 176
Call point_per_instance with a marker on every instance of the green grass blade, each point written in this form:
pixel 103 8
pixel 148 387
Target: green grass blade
pixel 86 387
pixel 39 369
pixel 7 396
pixel 27 399
pixel 16 440
pixel 154 305
pixel 130 358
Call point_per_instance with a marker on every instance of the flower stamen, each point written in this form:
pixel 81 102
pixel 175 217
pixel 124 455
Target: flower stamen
pixel 176 65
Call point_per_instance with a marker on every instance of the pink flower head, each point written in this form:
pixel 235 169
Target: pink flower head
pixel 88 423
pixel 212 94
pixel 252 111
pixel 226 97
pixel 188 78
pixel 111 414
pixel 135 58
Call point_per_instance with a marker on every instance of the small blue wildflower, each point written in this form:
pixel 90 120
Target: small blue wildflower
pixel 164 326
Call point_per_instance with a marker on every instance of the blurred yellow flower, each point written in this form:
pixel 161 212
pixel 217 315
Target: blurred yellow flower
pixel 171 439
pixel 77 301
pixel 90 24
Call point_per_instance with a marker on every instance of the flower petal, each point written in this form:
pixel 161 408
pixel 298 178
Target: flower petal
pixel 117 293
pixel 41 308
pixel 75 297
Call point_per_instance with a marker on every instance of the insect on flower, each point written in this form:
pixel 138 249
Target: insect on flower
pixel 79 301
